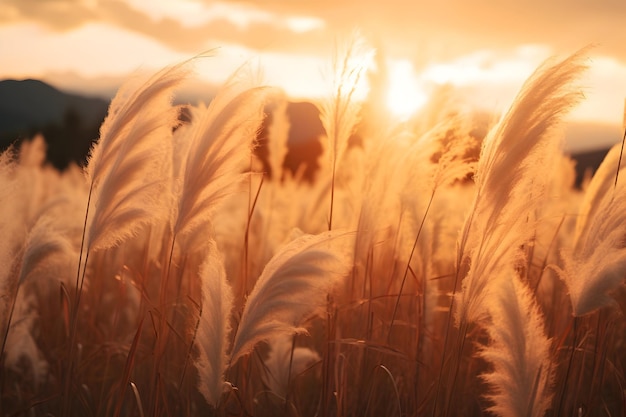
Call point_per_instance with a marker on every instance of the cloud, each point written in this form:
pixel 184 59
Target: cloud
pixel 445 29
pixel 246 26
pixel 423 30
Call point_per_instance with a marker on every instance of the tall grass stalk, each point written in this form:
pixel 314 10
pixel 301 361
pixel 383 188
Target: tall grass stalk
pixel 340 113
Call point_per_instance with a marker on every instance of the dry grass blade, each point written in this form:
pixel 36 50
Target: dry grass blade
pixel 128 368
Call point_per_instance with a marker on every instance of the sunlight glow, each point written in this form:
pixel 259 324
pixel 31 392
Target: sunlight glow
pixel 300 24
pixel 404 95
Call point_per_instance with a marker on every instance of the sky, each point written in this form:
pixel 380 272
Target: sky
pixel 483 48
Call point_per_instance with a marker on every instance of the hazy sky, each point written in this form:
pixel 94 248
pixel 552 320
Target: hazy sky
pixel 484 47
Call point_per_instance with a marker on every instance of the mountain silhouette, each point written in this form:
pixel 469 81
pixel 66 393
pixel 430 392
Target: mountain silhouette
pixel 68 122
pixel 28 103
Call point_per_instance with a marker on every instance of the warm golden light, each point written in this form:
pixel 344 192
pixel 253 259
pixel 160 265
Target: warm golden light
pixel 404 95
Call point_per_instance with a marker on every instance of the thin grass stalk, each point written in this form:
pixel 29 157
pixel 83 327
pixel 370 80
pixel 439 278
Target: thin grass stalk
pixel 66 407
pixel 340 114
pixel 288 390
pixel 162 330
pixel 408 265
pixel 455 366
pixel 559 410
pixel 72 342
pixel 619 162
pixel 189 352
pixel 246 247
pixel 594 356
pixel 6 333
pixel 128 368
pixel 448 319
pixel 332 198
pixel 392 271
pixel 395 388
pixel 602 330
pixel 331 326
pixel 9 319
pixel 421 327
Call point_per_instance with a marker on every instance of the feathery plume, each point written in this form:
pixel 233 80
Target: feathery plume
pixel 123 167
pixel 127 105
pixel 508 173
pixel 21 346
pixel 292 287
pixel 597 264
pixel 43 242
pixel 219 142
pixel 519 352
pixel 214 329
pixel 601 185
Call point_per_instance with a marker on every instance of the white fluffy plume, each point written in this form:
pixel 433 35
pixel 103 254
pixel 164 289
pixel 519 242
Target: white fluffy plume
pixel 511 176
pixel 214 330
pixel 124 164
pixel 220 141
pixel 601 185
pixel 292 287
pixel 519 352
pixel 597 264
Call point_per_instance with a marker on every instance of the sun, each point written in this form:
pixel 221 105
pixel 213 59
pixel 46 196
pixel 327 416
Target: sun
pixel 405 95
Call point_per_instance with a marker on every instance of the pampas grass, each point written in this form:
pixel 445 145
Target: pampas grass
pixel 214 327
pixel 219 143
pixel 439 281
pixel 519 351
pixel 508 173
pixel 597 264
pixel 292 288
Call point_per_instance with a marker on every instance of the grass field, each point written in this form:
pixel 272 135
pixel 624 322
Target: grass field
pixel 171 276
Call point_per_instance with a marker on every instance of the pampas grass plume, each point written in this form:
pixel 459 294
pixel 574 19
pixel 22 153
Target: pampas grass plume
pixel 508 172
pixel 123 167
pixel 519 352
pixel 292 287
pixel 214 330
pixel 597 264
pixel 220 141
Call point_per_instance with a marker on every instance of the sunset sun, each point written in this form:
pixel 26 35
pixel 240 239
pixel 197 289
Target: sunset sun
pixel 405 95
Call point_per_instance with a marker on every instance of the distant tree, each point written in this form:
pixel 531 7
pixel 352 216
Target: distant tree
pixel 69 142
